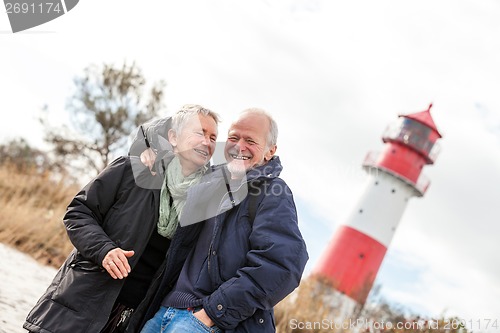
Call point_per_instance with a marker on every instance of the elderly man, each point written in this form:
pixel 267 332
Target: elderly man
pixel 250 253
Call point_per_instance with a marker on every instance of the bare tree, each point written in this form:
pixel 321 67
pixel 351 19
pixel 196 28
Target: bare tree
pixel 19 154
pixel 107 105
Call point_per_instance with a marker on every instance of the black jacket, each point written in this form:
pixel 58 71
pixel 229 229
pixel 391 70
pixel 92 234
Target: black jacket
pixel 111 211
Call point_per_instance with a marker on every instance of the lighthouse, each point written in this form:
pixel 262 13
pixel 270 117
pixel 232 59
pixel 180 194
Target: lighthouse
pixel 352 258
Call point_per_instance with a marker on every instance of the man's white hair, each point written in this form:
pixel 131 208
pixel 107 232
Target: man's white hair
pixel 272 135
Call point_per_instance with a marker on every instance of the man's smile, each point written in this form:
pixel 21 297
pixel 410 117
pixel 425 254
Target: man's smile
pixel 239 157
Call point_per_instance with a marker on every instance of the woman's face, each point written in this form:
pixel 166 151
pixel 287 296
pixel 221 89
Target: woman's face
pixel 195 144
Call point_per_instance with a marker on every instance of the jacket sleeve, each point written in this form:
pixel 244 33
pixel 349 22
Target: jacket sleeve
pixel 274 263
pixel 155 132
pixel 87 211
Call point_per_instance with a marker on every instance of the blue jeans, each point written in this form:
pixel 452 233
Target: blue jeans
pixel 172 320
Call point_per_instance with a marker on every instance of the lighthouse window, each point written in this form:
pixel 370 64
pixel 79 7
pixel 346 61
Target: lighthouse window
pixel 415 134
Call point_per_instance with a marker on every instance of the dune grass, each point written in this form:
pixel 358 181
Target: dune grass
pixel 32 205
pixel 309 310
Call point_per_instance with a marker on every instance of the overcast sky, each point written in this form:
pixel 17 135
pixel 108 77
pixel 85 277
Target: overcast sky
pixel 334 74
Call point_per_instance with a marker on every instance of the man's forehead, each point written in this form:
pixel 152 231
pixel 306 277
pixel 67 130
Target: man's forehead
pixel 251 122
pixel 245 131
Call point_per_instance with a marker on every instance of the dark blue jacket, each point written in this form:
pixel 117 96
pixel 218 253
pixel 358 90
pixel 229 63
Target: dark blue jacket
pixel 253 264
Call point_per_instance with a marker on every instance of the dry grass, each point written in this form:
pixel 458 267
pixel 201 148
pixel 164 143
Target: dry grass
pixel 32 206
pixel 303 305
pixel 309 310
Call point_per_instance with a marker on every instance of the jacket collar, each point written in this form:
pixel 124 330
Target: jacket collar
pixel 216 194
pixel 270 170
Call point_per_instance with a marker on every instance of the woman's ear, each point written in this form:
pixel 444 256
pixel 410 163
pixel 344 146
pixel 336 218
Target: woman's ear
pixel 172 137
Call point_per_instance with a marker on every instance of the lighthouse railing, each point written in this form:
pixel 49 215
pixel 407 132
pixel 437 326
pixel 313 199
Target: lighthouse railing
pixel 372 167
pixel 434 153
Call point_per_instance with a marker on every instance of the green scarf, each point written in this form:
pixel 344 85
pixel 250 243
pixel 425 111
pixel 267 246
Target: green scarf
pixel 173 196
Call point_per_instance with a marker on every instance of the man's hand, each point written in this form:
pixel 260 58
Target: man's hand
pixel 148 158
pixel 204 318
pixel 116 263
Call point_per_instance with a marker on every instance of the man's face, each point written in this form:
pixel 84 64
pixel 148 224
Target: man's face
pixel 195 143
pixel 246 145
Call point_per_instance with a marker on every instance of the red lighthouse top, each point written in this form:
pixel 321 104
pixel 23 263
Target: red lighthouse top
pixel 425 118
pixel 418 132
pixel 410 143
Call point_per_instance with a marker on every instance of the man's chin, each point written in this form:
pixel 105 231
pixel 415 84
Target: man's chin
pixel 237 169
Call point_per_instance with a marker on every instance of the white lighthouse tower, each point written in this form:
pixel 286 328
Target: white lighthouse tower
pixel 352 258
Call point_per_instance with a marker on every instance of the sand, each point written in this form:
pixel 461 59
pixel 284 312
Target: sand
pixel 22 282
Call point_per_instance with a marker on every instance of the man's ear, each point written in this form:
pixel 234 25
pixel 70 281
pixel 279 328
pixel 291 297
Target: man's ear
pixel 172 137
pixel 270 153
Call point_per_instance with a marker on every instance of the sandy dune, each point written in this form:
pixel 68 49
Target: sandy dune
pixel 22 282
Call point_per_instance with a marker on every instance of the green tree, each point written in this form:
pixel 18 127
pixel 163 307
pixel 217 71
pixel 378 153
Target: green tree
pixel 108 104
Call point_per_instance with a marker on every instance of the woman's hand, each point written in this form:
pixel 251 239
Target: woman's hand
pixel 116 263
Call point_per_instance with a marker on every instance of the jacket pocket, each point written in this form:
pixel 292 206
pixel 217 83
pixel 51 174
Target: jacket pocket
pixel 80 286
pixel 204 282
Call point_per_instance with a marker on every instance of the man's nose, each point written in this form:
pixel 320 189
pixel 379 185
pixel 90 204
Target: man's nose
pixel 241 145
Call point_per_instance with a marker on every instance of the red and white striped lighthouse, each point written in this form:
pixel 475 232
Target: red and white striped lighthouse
pixel 351 260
